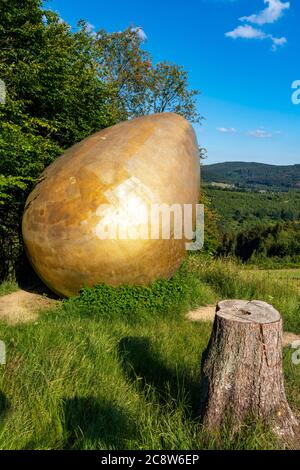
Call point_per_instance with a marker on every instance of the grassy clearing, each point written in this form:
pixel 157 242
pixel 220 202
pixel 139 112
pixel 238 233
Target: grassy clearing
pixel 93 374
pixel 230 280
pixel 287 277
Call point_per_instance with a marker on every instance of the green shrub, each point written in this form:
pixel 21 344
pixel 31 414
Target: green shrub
pixel 164 297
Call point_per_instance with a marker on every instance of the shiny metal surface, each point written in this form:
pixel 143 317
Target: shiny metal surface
pixel 152 159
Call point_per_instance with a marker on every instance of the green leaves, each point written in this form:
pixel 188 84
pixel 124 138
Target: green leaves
pixel 165 297
pixel 169 91
pixel 141 86
pixel 10 182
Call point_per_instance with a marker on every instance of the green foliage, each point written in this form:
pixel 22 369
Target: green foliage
pixel 54 98
pixel 212 234
pixel 261 228
pixel 239 210
pixel 168 91
pixel 8 183
pixel 8 287
pixel 12 194
pixel 55 95
pixel 162 298
pixel 141 86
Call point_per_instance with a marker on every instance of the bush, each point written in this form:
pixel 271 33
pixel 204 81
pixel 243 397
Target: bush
pixel 164 297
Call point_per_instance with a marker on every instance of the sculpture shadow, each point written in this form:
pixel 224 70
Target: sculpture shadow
pixel 90 423
pixel 29 281
pixel 140 361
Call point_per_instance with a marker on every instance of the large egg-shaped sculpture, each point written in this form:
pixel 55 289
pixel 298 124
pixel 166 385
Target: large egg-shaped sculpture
pixel 84 222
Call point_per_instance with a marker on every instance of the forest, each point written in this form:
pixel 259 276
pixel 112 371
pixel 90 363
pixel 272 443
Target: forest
pixel 261 228
pixel 257 176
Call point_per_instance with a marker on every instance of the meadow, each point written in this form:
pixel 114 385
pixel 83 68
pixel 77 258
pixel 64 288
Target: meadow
pixel 119 368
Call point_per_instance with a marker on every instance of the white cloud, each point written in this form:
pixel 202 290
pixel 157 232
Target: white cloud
pixel 246 32
pixel 278 42
pixel 226 130
pixel 261 133
pixel 270 14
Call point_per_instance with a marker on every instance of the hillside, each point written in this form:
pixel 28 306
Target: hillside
pixel 253 175
pixel 239 209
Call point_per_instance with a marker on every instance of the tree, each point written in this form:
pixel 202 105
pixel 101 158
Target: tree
pixel 127 66
pixel 168 91
pixel 142 87
pixel 55 95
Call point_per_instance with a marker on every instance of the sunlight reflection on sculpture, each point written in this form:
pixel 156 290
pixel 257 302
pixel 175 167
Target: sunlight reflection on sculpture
pixel 127 215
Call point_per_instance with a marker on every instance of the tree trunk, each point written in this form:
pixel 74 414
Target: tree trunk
pixel 241 369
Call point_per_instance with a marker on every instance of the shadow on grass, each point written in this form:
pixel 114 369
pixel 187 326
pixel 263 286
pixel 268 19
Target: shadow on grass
pixel 96 424
pixel 4 406
pixel 144 366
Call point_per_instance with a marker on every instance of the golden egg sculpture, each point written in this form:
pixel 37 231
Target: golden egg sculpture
pixel 112 179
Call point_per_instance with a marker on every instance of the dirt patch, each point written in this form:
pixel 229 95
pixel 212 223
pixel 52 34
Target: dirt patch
pixel 289 338
pixel 202 313
pixel 22 306
pixel 207 313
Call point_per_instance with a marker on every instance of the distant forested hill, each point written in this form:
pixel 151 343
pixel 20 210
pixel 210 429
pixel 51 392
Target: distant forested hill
pixel 240 210
pixel 253 175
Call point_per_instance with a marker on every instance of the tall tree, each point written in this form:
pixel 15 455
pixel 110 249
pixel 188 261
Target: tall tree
pixel 141 86
pixel 168 90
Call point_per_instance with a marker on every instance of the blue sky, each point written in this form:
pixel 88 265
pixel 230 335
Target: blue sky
pixel 242 54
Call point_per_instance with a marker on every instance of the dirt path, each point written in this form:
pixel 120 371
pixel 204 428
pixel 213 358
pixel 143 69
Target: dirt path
pixel 22 306
pixel 207 313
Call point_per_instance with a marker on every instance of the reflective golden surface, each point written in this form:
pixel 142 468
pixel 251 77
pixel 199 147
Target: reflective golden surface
pixel 152 159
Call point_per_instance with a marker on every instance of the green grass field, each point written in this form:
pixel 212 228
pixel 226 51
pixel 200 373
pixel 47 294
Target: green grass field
pixel 97 372
pixel 287 277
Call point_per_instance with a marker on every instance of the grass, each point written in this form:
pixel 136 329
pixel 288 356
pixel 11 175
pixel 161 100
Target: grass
pixel 8 287
pixel 230 280
pixel 288 277
pixel 91 374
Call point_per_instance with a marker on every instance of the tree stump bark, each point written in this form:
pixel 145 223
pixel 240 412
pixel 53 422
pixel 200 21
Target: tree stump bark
pixel 242 374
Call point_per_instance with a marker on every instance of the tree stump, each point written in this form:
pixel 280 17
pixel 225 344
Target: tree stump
pixel 242 374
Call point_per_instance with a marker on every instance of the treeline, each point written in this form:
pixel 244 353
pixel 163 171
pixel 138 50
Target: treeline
pixel 264 245
pixel 61 86
pixel 254 175
pixel 258 228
